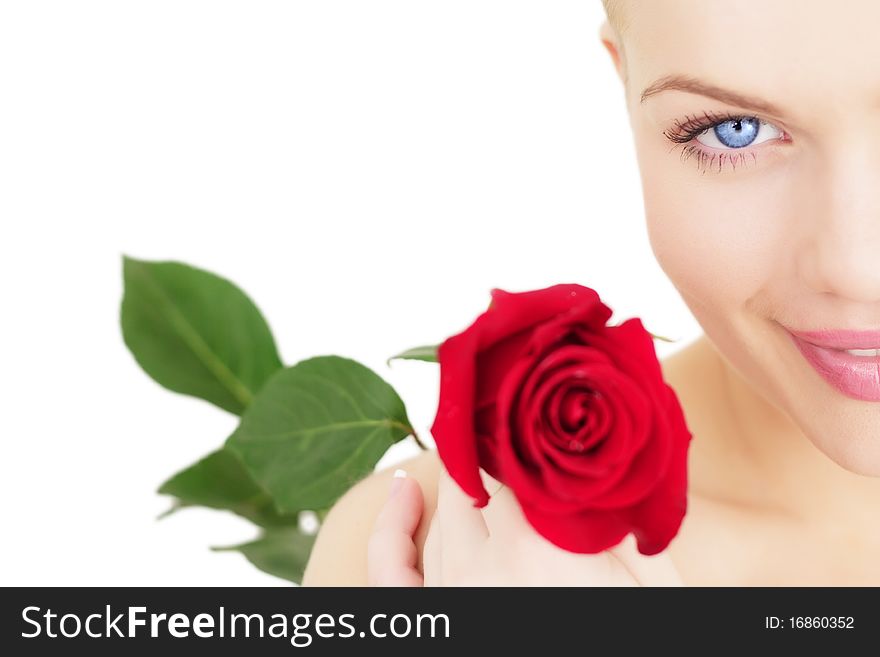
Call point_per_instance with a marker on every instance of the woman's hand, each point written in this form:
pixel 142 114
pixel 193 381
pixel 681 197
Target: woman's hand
pixel 492 546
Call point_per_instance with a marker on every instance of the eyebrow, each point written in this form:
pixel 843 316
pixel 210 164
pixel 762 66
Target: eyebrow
pixel 695 86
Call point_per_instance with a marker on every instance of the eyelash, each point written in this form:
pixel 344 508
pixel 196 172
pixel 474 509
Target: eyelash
pixel 692 126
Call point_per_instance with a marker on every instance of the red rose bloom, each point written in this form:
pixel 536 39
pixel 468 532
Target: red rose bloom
pixel 571 414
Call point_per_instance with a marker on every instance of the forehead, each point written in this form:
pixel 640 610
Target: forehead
pixel 789 52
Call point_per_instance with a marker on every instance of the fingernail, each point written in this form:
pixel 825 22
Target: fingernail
pixel 397 481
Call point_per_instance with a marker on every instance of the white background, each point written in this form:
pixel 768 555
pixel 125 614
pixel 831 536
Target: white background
pixel 366 170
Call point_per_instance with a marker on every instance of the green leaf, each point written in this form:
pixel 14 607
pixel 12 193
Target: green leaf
pixel 660 337
pixel 317 428
pixel 282 552
pixel 426 353
pixel 196 333
pixel 220 481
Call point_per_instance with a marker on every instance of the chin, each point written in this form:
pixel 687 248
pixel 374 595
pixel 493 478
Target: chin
pixel 846 430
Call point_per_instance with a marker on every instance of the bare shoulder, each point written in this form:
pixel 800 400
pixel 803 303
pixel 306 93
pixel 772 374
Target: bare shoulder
pixel 339 557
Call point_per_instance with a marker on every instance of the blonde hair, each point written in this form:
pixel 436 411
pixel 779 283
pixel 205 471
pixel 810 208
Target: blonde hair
pixel 614 12
pixel 618 23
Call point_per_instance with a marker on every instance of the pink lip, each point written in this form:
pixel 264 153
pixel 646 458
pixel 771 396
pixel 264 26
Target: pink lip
pixel 855 376
pixel 841 339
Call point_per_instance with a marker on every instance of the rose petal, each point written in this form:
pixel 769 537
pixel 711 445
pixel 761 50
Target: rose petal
pixel 570 415
pixel 598 423
pixel 542 475
pixel 518 460
pixel 541 403
pixel 591 402
pixel 511 312
pixel 628 407
pixel 642 475
pixel 570 407
pixel 493 364
pixel 531 401
pixel 658 519
pixel 631 377
pixel 453 426
pixel 629 473
pixel 634 346
pixel 507 325
pixel 631 348
pixel 587 532
pixel 585 317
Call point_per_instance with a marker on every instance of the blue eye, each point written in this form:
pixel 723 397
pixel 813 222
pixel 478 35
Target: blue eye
pixel 737 133
pixel 726 134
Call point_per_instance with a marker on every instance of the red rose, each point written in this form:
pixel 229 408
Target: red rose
pixel 571 414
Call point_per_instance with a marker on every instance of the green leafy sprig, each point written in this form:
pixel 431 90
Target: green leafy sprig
pixel 307 432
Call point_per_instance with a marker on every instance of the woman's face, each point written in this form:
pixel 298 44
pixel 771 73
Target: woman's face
pixel 769 221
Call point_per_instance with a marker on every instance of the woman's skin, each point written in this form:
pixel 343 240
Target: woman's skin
pixel 781 233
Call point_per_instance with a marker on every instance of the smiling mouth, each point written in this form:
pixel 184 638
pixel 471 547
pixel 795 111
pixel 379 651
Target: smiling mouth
pixel 848 360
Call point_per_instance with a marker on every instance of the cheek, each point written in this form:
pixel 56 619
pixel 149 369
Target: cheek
pixel 730 243
pixel 718 238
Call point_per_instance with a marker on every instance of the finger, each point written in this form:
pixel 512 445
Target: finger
pixel 648 570
pixel 491 484
pixel 462 529
pixel 431 555
pixel 456 511
pixel 392 555
pixel 503 514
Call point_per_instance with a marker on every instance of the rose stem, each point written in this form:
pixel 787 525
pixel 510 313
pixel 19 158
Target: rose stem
pixel 418 440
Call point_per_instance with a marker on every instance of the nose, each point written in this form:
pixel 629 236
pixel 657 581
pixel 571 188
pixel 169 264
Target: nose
pixel 842 257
